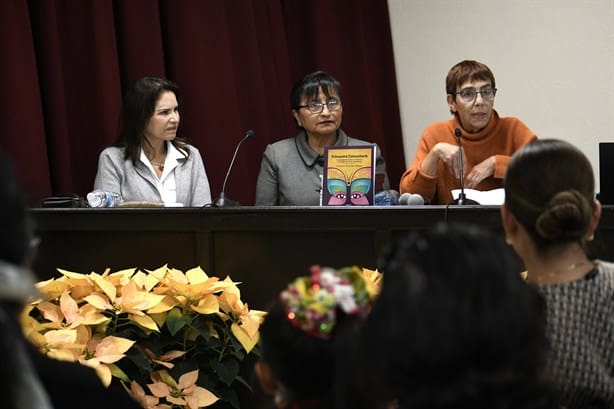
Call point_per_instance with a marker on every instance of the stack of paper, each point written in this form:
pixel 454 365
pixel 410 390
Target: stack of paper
pixel 487 197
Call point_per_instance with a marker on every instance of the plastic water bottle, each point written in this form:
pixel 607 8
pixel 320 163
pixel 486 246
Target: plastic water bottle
pixel 387 198
pixel 100 198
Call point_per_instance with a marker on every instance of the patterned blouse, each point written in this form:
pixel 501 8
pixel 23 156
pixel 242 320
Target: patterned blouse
pixel 581 333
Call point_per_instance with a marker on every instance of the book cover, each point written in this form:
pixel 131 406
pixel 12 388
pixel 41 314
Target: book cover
pixel 348 177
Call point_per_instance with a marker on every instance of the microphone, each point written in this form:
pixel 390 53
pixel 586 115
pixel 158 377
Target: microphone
pixel 411 199
pixel 222 201
pixel 462 199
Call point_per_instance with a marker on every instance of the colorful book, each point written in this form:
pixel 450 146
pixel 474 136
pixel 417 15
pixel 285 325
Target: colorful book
pixel 348 178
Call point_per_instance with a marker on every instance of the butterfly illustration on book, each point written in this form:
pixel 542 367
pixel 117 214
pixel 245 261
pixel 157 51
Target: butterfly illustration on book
pixel 349 189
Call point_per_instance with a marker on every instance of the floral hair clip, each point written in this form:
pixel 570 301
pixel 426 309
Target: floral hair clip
pixel 311 301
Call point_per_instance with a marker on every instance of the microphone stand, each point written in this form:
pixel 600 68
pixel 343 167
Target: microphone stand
pixel 462 199
pixel 222 200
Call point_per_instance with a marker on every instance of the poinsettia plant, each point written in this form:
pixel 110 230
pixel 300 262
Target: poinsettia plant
pixel 173 339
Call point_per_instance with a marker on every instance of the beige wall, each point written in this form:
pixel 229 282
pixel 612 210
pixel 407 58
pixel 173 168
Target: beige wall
pixel 553 61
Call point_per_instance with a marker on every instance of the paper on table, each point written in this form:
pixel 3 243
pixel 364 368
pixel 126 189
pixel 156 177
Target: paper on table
pixel 139 203
pixel 486 197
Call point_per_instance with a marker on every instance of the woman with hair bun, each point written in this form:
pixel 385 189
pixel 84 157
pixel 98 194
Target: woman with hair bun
pixel 454 332
pixel 549 215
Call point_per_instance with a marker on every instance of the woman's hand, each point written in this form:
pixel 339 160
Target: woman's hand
pixel 480 172
pixel 448 154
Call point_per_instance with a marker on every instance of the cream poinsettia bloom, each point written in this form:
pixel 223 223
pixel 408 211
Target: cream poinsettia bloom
pixel 77 282
pixel 100 352
pixel 66 344
pixel 184 393
pixel 97 319
pixel 32 329
pixel 164 359
pixel 138 394
pixel 69 314
pixel 132 300
pixel 246 330
pixel 194 289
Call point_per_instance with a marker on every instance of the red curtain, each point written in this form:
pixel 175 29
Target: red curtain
pixel 65 65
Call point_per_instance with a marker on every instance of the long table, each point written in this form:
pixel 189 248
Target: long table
pixel 262 247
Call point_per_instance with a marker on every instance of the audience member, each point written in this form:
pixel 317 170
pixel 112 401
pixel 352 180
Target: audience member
pixel 149 162
pixel 28 379
pixel 549 215
pixel 308 334
pixel 454 326
pixel 291 170
pixel 488 141
pixel 20 386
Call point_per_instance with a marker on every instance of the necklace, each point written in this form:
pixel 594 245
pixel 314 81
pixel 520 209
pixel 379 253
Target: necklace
pixel 159 165
pixel 571 272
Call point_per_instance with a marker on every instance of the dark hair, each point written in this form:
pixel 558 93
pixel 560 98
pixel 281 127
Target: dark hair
pixel 311 368
pixel 137 108
pixel 309 87
pixel 454 326
pixel 14 249
pixel 549 188
pixel 16 223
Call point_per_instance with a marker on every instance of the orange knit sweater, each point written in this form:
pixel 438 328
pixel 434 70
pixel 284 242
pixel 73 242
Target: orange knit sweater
pixel 501 137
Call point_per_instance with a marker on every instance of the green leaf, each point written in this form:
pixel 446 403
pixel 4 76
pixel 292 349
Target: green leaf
pixel 227 370
pixel 138 359
pixel 118 373
pixel 201 325
pixel 243 382
pixel 175 321
pixel 230 396
pixel 182 367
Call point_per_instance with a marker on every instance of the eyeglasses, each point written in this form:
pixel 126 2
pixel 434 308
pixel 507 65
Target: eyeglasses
pixel 469 94
pixel 318 107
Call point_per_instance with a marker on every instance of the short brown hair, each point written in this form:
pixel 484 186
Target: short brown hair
pixel 467 70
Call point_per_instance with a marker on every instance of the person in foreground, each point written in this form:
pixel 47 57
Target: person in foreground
pixel 28 379
pixel 487 140
pixel 149 162
pixel 548 220
pixel 460 331
pixel 291 169
pixel 306 337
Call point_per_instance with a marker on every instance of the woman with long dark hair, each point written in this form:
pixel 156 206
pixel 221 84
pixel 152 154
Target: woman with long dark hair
pixel 149 162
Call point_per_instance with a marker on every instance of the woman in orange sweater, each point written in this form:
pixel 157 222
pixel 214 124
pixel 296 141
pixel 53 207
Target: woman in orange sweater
pixel 488 141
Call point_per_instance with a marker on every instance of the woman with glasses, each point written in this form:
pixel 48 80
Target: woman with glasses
pixel 291 170
pixel 476 139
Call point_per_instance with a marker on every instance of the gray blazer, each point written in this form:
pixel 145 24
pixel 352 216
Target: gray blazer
pixel 291 172
pixel 135 182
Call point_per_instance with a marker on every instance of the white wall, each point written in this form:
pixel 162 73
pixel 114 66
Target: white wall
pixel 553 61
